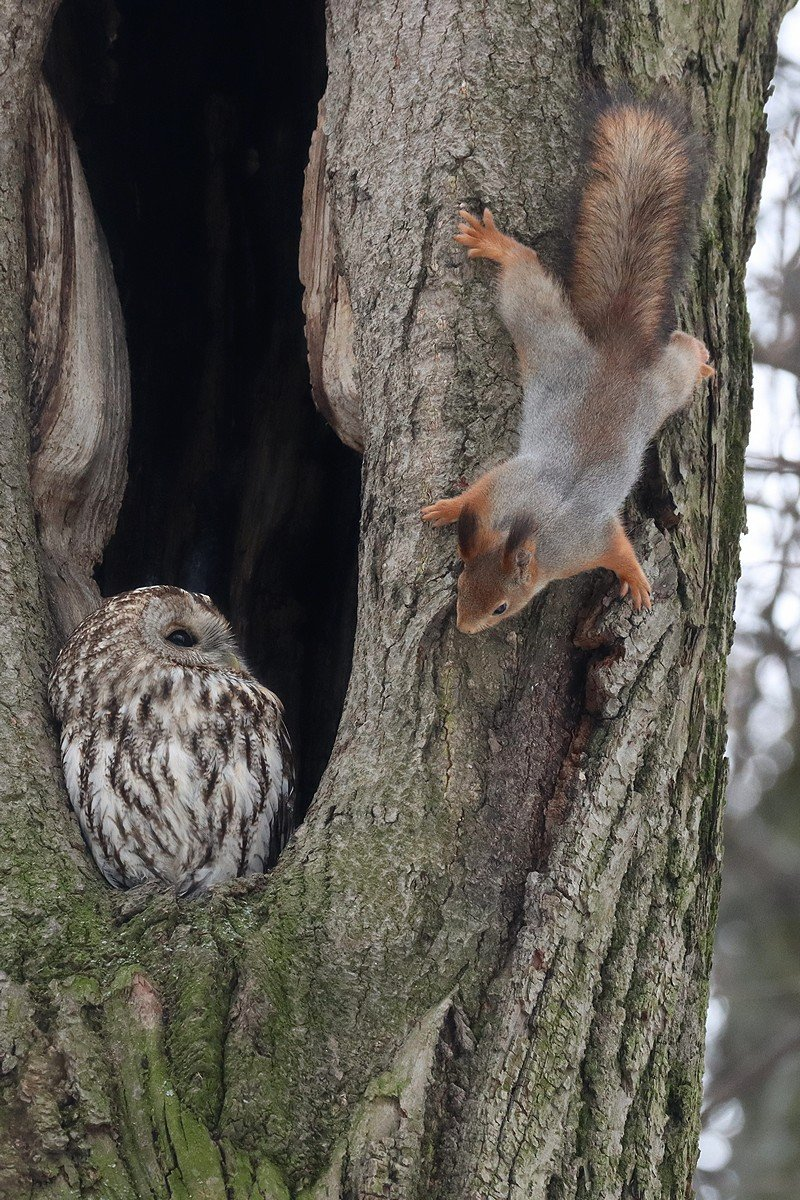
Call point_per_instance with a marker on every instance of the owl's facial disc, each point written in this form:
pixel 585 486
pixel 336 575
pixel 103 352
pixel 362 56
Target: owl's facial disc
pixel 186 628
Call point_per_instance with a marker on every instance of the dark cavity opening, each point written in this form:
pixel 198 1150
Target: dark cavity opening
pixel 193 120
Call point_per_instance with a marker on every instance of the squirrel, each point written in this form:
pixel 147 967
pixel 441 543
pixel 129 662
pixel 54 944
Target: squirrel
pixel 599 375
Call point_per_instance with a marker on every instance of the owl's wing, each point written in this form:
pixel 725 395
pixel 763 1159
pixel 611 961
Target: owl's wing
pixel 286 816
pixel 103 812
pixel 250 809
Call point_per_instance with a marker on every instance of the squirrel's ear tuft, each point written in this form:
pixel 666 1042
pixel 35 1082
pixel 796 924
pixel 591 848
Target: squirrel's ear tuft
pixel 468 533
pixel 519 548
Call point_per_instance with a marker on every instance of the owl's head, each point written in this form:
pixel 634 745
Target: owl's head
pixel 153 641
pixel 125 643
pixel 185 628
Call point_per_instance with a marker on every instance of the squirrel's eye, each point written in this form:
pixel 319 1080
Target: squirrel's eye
pixel 501 608
pixel 181 637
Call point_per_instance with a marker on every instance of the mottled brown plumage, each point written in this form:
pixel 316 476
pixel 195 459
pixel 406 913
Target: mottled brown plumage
pixel 176 759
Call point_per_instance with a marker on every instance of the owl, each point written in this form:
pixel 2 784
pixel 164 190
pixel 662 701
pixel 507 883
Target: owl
pixel 176 760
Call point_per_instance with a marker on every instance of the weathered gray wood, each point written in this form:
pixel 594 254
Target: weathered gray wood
pixel 79 379
pixel 481 970
pixel 326 304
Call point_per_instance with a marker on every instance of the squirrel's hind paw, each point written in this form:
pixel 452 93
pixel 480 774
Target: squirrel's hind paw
pixel 482 237
pixel 443 512
pixel 698 349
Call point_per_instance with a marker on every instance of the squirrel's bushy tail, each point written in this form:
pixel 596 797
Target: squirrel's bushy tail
pixel 630 241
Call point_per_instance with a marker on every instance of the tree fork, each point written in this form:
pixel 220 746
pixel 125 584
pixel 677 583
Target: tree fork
pixel 481 969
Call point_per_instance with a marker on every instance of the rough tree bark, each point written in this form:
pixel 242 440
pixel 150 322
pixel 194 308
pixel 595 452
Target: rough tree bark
pixel 481 969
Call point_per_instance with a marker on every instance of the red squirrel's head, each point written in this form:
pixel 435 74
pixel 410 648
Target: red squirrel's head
pixel 499 575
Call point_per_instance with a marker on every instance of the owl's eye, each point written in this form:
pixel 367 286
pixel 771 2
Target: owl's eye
pixel 501 608
pixel 181 637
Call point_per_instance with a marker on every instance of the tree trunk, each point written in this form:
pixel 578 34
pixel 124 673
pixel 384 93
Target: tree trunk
pixel 481 969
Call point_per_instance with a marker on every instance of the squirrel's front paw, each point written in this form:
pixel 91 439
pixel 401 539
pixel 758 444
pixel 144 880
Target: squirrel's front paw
pixel 635 584
pixel 443 512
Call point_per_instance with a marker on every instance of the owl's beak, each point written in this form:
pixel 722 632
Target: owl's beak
pixel 233 662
